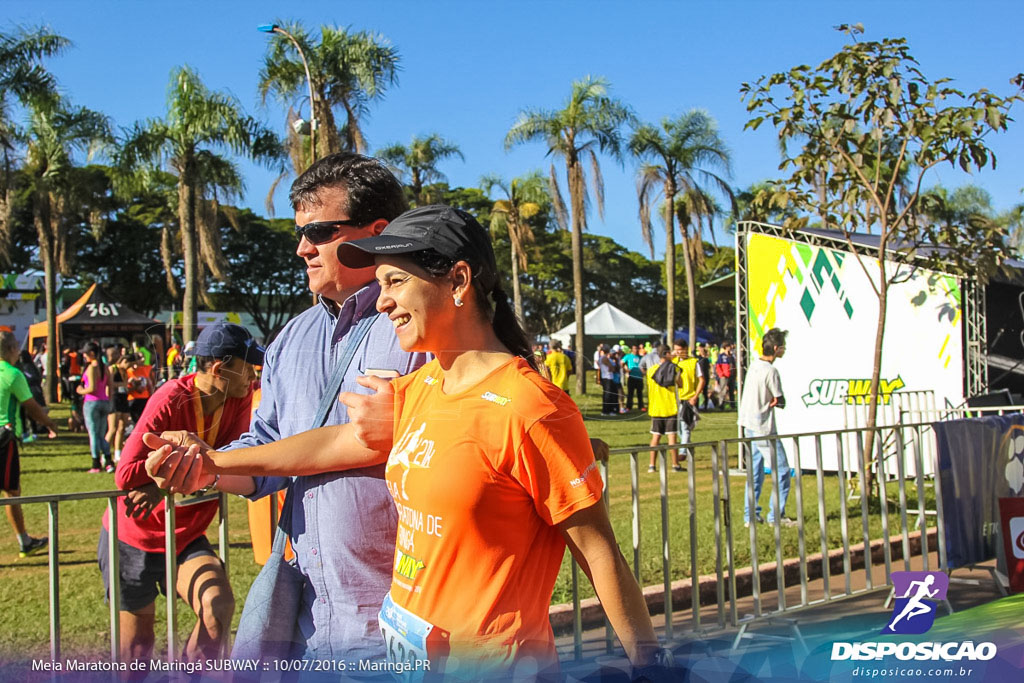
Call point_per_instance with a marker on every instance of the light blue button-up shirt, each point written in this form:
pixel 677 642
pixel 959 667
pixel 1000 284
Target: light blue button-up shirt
pixel 343 524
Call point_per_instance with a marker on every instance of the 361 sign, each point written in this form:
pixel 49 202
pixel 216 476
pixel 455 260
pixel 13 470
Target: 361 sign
pixel 104 310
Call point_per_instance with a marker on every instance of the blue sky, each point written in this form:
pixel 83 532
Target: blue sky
pixel 468 68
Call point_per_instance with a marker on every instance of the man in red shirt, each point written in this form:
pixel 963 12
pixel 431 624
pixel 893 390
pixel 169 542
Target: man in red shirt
pixel 214 403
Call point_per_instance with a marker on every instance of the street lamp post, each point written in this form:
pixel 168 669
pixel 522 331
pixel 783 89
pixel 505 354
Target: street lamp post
pixel 274 28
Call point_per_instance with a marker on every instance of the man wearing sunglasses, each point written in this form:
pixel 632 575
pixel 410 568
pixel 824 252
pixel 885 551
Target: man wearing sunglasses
pixel 341 525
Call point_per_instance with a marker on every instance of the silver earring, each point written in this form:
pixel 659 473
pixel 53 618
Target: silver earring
pixel 458 301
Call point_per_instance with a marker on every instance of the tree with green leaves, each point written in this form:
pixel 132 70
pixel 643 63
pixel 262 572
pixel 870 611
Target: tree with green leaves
pixel 348 70
pixel 24 81
pixel 590 121
pixel 748 208
pixel 870 127
pixel 198 121
pixel 680 156
pixel 525 197
pixel 1014 220
pixel 264 278
pixel 58 190
pixel 418 162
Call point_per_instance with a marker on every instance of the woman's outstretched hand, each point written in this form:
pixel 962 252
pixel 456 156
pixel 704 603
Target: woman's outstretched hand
pixel 372 416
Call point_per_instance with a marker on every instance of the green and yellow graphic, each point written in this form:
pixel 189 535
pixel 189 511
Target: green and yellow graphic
pixel 784 268
pixel 407 566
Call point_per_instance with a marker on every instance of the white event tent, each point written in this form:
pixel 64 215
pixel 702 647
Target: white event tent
pixel 608 322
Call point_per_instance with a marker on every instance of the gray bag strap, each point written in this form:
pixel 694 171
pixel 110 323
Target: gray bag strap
pixel 326 401
pixel 334 383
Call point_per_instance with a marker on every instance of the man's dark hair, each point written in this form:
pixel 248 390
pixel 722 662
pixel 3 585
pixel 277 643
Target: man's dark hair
pixel 204 363
pixel 556 345
pixel 372 190
pixel 661 350
pixel 682 342
pixel 772 340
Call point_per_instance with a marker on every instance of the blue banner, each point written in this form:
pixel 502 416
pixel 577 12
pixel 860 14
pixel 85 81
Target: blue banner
pixel 980 460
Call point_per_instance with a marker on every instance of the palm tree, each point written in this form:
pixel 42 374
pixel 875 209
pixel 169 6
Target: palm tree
pixel 54 134
pixel 419 162
pixel 347 69
pixel 589 121
pixel 679 156
pixel 525 197
pixel 198 119
pixel 22 80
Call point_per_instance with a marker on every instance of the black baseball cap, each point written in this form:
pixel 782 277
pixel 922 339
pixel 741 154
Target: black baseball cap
pixel 222 339
pixel 449 231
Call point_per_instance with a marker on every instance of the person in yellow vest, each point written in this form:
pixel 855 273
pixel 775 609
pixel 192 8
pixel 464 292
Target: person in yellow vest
pixel 559 366
pixel 690 387
pixel 662 406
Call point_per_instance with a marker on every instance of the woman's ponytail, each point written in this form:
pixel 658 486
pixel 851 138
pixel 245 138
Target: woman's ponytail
pixel 508 329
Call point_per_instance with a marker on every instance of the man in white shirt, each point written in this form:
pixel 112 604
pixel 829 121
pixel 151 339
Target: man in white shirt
pixel 762 393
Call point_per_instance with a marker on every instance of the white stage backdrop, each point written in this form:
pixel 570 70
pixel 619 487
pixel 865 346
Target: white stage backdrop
pixel 824 299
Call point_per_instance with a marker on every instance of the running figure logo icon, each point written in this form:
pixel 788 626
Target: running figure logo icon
pixel 916 595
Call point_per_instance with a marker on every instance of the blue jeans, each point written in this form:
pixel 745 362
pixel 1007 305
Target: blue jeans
pixel 95 414
pixel 760 451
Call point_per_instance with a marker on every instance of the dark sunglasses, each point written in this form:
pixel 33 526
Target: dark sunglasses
pixel 321 232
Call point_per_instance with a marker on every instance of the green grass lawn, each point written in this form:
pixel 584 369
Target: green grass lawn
pixel 60 466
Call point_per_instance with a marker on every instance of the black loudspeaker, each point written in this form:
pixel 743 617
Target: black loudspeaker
pixel 994 399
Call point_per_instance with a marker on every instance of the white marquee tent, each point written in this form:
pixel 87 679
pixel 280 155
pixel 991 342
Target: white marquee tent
pixel 607 321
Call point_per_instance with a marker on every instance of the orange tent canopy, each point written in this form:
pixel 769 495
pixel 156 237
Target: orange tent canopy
pixel 95 314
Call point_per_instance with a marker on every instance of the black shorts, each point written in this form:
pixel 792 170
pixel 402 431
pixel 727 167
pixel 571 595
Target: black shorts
pixel 10 467
pixel 136 406
pixel 120 403
pixel 142 573
pixel 664 425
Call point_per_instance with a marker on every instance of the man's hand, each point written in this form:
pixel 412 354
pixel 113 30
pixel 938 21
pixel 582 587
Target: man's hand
pixel 600 449
pixel 176 468
pixel 693 401
pixel 372 416
pixel 139 503
pixel 181 437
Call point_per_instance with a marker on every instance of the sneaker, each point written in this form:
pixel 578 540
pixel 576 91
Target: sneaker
pixel 786 522
pixel 109 468
pixel 677 468
pixel 94 470
pixel 34 547
pixel 652 468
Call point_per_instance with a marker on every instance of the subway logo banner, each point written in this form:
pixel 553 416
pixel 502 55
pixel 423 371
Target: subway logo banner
pixel 827 302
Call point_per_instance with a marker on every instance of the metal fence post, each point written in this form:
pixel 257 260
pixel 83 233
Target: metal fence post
pixel 114 580
pixel 666 564
pixel 54 567
pixel 171 569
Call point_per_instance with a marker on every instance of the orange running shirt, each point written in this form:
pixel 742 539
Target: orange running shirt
pixel 140 371
pixel 480 479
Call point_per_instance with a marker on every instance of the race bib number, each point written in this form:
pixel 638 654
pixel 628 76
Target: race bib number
pixel 411 641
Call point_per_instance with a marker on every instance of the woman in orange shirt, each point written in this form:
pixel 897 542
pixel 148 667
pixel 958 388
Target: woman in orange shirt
pixel 490 465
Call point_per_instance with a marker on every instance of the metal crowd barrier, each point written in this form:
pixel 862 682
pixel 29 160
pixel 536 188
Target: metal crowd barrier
pixel 53 502
pixel 902 493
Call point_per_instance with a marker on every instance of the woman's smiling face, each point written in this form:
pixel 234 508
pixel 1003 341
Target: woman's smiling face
pixel 419 305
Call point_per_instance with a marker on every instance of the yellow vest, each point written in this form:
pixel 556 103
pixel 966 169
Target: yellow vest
pixel 661 401
pixel 688 371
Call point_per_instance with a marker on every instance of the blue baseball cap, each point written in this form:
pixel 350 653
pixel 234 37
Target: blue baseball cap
pixel 221 340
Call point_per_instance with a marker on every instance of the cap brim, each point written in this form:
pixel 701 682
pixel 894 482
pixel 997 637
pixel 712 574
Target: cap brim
pixel 361 253
pixel 254 354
